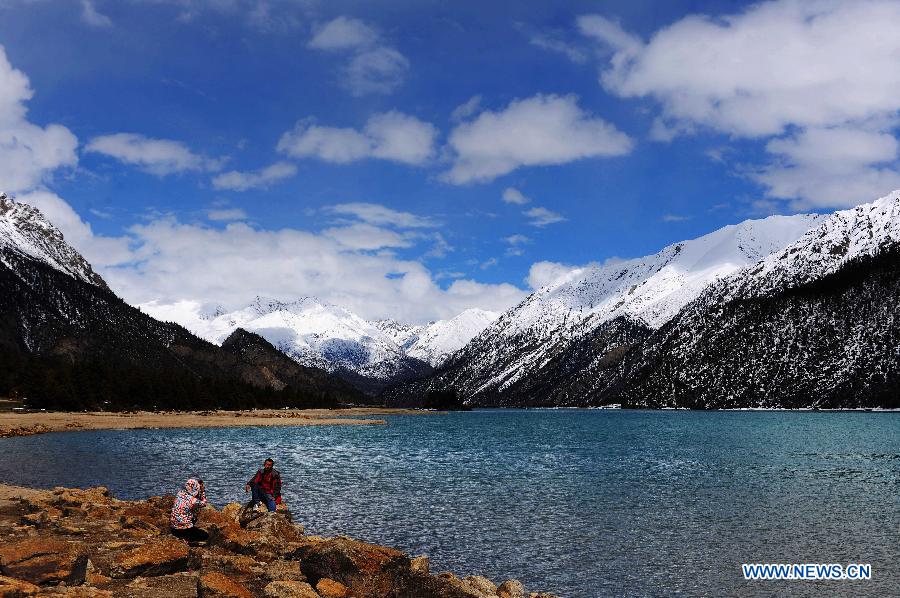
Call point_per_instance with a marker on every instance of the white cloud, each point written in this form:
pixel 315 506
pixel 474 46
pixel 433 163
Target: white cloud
pixel 823 70
pixel 543 273
pixel 167 262
pixel 374 67
pixel 674 218
pixel 230 266
pixel 242 181
pixel 541 130
pixel 379 215
pixel 548 42
pixel 379 70
pixel 467 109
pixel 226 214
pixel 92 17
pixel 777 64
pixel 488 263
pixel 362 236
pixel 517 239
pixel 515 243
pixel 392 136
pixel 542 216
pixel 157 156
pixel 831 167
pixel 29 153
pixel 343 33
pixel 98 250
pixel 514 196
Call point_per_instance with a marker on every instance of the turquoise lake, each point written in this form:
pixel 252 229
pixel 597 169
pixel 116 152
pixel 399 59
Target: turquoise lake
pixel 582 503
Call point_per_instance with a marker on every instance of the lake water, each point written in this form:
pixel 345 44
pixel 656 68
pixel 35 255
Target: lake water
pixel 583 503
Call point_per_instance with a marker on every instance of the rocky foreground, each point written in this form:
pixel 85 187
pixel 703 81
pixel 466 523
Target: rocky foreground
pixel 87 544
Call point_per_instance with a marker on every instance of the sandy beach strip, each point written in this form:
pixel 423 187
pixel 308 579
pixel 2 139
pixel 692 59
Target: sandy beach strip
pixel 26 424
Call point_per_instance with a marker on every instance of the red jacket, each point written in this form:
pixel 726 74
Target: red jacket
pixel 269 483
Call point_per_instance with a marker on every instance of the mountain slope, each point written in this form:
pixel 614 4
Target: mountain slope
pixel 507 363
pixel 67 340
pixel 369 354
pixel 436 341
pixel 816 324
pixel 25 231
pixel 313 333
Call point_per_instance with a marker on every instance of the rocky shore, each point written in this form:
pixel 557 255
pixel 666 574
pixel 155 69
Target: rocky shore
pixel 88 544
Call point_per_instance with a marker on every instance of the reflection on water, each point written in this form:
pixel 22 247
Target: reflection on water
pixel 583 503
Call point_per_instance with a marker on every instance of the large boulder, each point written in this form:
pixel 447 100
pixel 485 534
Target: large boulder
pixel 511 588
pixel 366 568
pixel 160 556
pixel 43 561
pixel 277 527
pixel 482 584
pixel 219 585
pixel 237 564
pixel 281 570
pixel 328 588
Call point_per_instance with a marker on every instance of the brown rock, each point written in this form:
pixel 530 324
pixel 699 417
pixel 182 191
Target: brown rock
pixel 241 541
pixel 281 570
pixel 419 564
pixel 233 563
pixel 511 588
pixel 74 497
pixel 42 561
pixel 160 556
pixel 328 588
pixel 542 595
pixel 482 584
pixel 180 585
pixel 162 503
pixel 275 526
pixel 219 585
pixel 145 515
pixel 75 592
pixel 365 568
pixel 232 511
pixel 290 589
pixel 93 576
pixel 14 588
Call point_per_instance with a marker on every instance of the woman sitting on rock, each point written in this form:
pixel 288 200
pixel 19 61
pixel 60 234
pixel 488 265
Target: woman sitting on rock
pixel 184 512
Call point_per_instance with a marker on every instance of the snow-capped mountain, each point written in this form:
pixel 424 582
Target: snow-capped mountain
pixel 67 341
pixel 844 236
pixel 815 324
pixel 371 354
pixel 434 342
pixel 647 291
pixel 25 231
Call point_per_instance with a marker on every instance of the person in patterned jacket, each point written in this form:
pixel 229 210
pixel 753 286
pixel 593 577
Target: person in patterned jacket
pixel 183 519
pixel 265 487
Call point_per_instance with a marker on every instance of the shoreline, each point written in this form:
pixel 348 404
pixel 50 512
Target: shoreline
pixel 85 543
pixel 14 424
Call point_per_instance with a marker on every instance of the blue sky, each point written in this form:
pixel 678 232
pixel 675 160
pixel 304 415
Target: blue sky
pixel 412 159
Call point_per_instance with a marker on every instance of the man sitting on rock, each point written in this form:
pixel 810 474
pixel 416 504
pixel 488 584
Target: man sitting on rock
pixel 265 487
pixel 183 519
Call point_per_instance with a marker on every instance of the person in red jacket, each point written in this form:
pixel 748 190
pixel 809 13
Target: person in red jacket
pixel 265 486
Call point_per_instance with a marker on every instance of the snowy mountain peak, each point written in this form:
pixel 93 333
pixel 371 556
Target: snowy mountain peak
pixel 25 231
pixel 655 287
pixel 838 238
pixel 436 341
pixel 648 290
